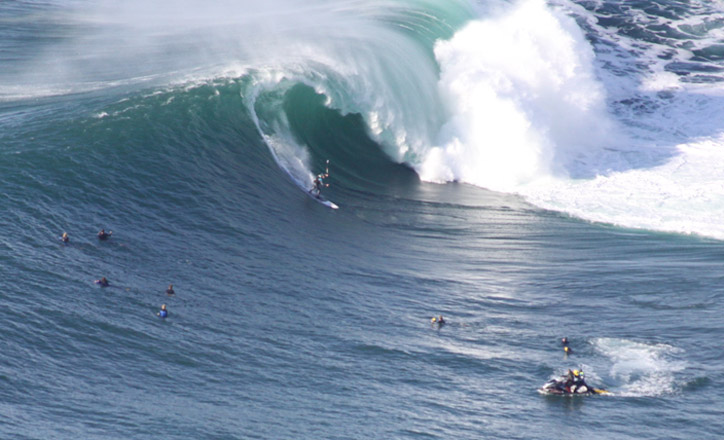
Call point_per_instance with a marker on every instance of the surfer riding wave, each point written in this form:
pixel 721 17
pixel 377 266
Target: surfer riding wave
pixel 319 182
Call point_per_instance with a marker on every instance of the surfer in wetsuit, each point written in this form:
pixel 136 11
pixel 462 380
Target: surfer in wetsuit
pixel 567 381
pixel 64 238
pixel 574 380
pixel 566 348
pixel 578 382
pixel 170 290
pixel 319 182
pixel 163 313
pixel 103 235
pixel 103 282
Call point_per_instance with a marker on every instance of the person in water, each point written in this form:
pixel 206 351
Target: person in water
pixel 103 235
pixel 64 238
pixel 319 182
pixel 170 290
pixel 566 348
pixel 103 282
pixel 438 320
pixel 163 313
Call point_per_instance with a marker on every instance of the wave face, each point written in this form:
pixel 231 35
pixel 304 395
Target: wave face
pixel 600 110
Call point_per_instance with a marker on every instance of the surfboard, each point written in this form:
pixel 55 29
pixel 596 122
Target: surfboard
pixel 600 391
pixel 319 198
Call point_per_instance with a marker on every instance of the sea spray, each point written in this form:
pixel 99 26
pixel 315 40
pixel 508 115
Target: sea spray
pixel 523 100
pixel 643 369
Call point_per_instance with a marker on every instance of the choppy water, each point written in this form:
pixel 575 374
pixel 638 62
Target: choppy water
pixel 583 199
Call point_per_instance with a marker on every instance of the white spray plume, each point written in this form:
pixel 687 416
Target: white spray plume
pixel 523 98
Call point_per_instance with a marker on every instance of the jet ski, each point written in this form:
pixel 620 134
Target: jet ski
pixel 571 384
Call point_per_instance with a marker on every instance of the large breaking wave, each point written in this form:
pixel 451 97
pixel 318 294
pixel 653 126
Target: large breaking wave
pixel 544 101
pixel 560 102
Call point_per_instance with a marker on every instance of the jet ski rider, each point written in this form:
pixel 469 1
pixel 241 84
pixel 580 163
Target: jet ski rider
pixel 574 380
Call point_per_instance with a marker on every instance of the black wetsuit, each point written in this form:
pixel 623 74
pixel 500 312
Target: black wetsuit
pixel 318 183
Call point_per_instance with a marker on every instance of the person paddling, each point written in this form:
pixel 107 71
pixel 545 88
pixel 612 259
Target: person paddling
pixel 103 235
pixel 103 282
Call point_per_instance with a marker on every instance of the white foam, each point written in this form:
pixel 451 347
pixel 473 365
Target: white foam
pixel 528 115
pixel 683 195
pixel 642 369
pixel 291 157
pixel 523 98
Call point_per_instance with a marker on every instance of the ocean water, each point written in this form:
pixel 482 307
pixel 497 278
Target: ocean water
pixel 528 169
